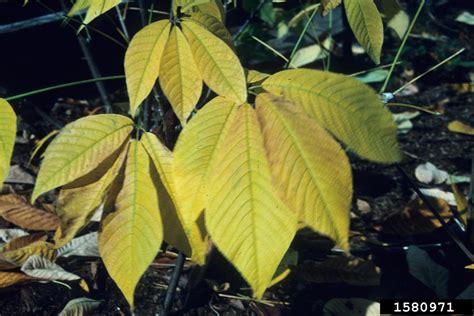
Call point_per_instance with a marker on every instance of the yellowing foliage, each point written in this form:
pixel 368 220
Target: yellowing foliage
pixel 143 60
pixel 132 233
pixel 349 109
pixel 302 156
pixel 245 218
pixel 79 148
pixel 7 137
pixel 366 23
pixel 180 78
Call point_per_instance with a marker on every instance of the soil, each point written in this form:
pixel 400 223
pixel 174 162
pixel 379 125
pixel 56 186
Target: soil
pixel 383 187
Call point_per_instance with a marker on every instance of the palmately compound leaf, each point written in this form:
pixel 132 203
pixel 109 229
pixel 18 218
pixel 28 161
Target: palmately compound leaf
pixel 247 221
pixel 7 137
pixel 366 23
pixel 97 8
pixel 131 235
pixel 80 148
pixel 218 65
pixel 196 151
pixel 349 109
pixel 214 25
pixel 311 172
pixel 78 6
pixel 77 203
pixel 143 60
pixel 179 75
pixel 187 236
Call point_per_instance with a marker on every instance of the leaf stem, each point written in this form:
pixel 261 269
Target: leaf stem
pixel 61 86
pixel 173 284
pixel 302 34
pixel 400 48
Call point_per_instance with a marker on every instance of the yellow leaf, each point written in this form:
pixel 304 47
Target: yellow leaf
pixel 304 13
pixel 399 23
pixel 7 137
pixel 366 23
pixel 12 278
pixel 470 266
pixel 214 25
pixel 143 60
pixel 247 221
pixel 180 79
pixel 349 109
pixel 220 68
pixel 329 5
pixel 459 127
pixel 78 6
pixel 16 210
pixel 214 8
pixel 311 172
pixel 186 5
pixel 131 236
pixel 77 203
pixel 97 8
pixel 79 148
pixel 254 76
pixel 195 154
pixel 191 238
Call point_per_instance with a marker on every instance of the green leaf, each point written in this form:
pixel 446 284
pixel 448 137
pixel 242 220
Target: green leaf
pixel 246 220
pixel 143 60
pixel 80 148
pixel 349 109
pixel 220 68
pixel 7 137
pixel 131 235
pixel 180 79
pixel 329 5
pixel 311 172
pixel 366 23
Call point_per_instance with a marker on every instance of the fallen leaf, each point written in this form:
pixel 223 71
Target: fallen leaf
pixel 15 209
pixel 415 218
pixel 42 268
pixel 460 127
pixel 79 306
pixel 86 246
pixel 428 173
pixel 437 193
pixel 8 234
pixel 18 175
pixel 12 278
pixel 403 121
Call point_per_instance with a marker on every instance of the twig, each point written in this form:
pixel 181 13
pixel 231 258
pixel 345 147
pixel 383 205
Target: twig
pixel 122 24
pixel 402 45
pixel 436 214
pixel 470 205
pixel 246 298
pixel 247 22
pixel 173 284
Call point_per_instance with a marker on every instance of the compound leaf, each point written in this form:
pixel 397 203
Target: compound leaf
pixel 180 78
pixel 366 23
pixel 329 5
pixel 311 171
pixel 143 60
pixel 7 137
pixel 214 25
pixel 349 109
pixel 245 218
pixel 80 148
pixel 131 236
pixel 220 68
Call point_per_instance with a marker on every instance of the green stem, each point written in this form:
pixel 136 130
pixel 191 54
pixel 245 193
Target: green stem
pixel 300 38
pixel 402 45
pixel 61 86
